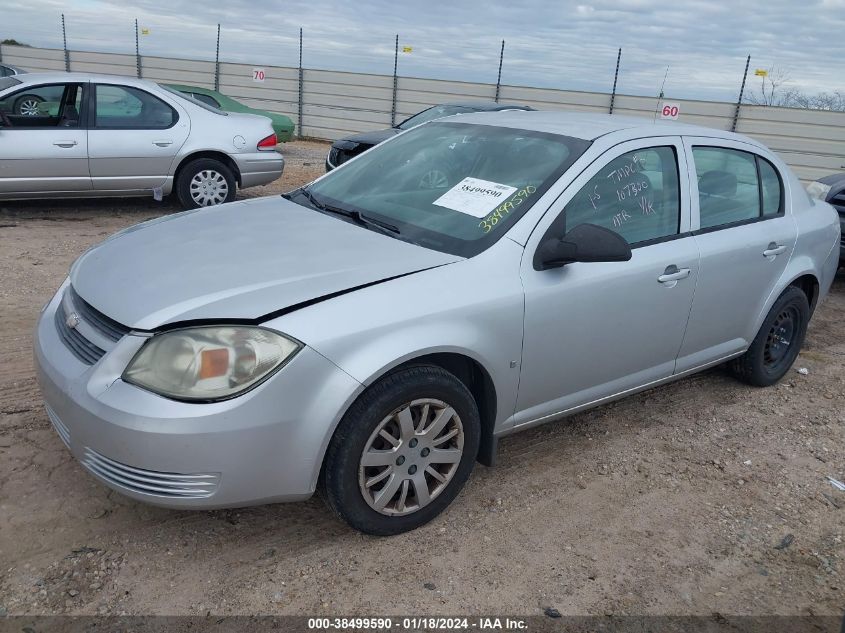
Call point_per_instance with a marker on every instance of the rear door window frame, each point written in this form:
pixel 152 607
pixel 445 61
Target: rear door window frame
pixel 728 144
pixel 92 108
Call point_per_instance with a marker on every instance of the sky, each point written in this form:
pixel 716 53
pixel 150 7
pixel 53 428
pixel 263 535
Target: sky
pixel 567 45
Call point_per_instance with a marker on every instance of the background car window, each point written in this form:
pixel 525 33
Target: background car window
pixel 771 185
pixel 728 190
pixel 636 195
pixel 41 106
pixel 121 107
pixel 205 99
pixel 432 113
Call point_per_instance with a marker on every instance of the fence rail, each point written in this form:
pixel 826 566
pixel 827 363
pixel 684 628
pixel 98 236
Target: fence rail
pixel 335 103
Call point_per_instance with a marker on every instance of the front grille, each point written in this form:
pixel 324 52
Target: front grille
pixel 62 431
pixel 80 346
pixel 109 328
pixel 151 482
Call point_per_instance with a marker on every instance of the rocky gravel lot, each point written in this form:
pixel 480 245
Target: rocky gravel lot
pixel 698 497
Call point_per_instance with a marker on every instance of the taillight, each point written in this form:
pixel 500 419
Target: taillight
pixel 268 142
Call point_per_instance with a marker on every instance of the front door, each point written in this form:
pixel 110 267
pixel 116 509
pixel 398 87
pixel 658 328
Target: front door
pixel 45 149
pixel 134 138
pixel 595 330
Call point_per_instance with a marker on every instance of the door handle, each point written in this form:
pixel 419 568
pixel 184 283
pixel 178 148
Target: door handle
pixel 774 249
pixel 162 143
pixel 673 273
pixel 65 143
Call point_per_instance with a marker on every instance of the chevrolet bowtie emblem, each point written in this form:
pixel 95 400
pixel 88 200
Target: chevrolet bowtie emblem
pixel 72 320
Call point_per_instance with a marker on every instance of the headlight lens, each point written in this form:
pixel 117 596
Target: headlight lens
pixel 208 363
pixel 818 190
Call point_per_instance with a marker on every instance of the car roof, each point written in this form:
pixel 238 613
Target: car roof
pixel 484 106
pixel 58 77
pixel 589 126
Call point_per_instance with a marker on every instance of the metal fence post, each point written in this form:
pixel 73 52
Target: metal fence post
pixel 217 62
pixel 741 91
pixel 301 77
pixel 1 51
pixel 137 50
pixel 499 78
pixel 395 82
pixel 64 44
pixel 615 77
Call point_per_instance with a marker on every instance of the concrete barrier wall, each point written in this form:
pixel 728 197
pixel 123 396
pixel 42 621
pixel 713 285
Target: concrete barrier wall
pixel 336 104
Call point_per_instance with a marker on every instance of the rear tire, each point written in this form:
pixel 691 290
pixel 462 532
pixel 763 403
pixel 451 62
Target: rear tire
pixel 205 182
pixel 402 452
pixel 778 342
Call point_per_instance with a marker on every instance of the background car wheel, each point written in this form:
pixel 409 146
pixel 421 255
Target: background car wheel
pixel 27 105
pixel 205 182
pixel 778 342
pixel 402 452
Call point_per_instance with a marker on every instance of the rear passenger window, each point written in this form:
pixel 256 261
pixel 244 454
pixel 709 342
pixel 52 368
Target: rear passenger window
pixel 735 186
pixel 124 107
pixel 636 195
pixel 771 186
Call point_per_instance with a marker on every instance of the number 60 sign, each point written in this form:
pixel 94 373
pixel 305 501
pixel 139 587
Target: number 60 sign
pixel 670 111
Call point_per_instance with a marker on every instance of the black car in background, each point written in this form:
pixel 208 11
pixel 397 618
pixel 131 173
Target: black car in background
pixel 344 149
pixel 835 195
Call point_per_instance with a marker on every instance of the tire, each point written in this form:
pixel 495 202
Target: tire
pixel 778 342
pixel 414 393
pixel 27 105
pixel 205 182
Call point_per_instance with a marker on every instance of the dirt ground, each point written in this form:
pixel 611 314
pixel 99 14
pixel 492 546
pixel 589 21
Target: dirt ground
pixel 680 500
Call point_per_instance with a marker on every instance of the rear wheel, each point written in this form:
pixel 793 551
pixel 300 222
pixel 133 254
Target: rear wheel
pixel 27 105
pixel 402 452
pixel 778 342
pixel 205 182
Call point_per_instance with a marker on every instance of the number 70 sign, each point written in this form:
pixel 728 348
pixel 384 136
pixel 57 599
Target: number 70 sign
pixel 258 75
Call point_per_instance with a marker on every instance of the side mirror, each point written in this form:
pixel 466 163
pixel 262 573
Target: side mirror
pixel 584 243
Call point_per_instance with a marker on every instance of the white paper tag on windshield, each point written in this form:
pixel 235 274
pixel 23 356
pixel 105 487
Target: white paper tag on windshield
pixel 475 197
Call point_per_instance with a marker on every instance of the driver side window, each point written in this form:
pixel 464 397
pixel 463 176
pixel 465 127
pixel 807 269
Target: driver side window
pixel 54 105
pixel 636 195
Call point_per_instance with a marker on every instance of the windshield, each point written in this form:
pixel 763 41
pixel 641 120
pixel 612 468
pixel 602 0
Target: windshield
pixel 452 187
pixel 437 112
pixel 8 82
pixel 192 101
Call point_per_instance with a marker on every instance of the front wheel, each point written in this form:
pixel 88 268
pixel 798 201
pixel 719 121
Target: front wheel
pixel 778 342
pixel 205 182
pixel 403 451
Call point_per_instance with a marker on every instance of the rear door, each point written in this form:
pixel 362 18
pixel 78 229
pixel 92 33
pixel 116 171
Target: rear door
pixel 745 236
pixel 45 150
pixel 133 139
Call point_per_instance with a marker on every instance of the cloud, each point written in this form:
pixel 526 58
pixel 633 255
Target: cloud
pixel 562 45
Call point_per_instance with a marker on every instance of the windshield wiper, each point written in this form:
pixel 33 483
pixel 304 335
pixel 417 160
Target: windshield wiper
pixel 357 216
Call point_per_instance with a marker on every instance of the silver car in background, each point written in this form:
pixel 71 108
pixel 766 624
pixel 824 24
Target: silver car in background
pixel 82 135
pixel 376 332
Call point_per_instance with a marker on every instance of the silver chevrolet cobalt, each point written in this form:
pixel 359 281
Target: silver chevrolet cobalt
pixel 376 332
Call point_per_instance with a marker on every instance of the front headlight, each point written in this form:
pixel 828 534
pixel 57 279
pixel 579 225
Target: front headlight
pixel 818 190
pixel 209 363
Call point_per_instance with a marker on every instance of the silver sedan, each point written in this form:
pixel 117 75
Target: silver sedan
pixel 376 332
pixel 80 135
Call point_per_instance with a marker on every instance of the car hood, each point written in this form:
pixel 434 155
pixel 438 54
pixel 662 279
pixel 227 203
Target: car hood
pixel 367 138
pixel 243 260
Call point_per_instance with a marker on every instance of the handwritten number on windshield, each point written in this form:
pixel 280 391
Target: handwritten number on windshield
pixel 498 214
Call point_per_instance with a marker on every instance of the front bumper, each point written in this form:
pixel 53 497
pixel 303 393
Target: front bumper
pixel 259 168
pixel 264 446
